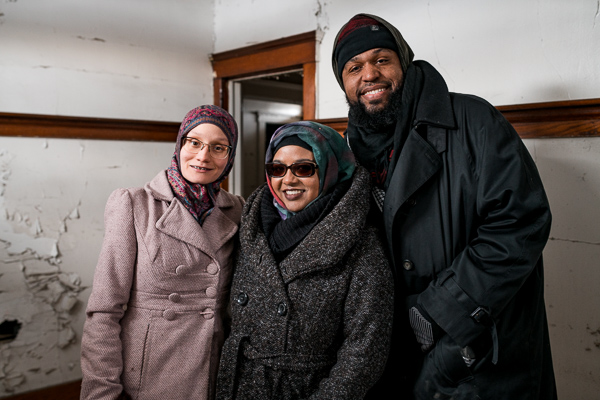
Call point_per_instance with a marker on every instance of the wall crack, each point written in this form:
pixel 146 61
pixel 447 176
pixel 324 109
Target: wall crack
pixel 574 241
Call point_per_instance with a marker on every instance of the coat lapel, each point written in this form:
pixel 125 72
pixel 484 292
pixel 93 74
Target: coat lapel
pixel 255 246
pixel 417 163
pixel 218 227
pixel 177 221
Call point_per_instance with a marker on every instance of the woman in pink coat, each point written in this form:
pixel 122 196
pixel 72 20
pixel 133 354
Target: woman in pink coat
pixel 154 326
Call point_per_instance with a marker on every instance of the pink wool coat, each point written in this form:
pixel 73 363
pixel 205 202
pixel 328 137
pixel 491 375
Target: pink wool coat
pixel 154 326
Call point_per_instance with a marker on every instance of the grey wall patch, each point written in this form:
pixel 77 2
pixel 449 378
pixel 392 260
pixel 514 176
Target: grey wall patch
pixel 38 301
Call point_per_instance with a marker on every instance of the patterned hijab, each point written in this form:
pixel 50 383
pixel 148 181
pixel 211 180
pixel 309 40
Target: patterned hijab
pixel 332 154
pixel 199 199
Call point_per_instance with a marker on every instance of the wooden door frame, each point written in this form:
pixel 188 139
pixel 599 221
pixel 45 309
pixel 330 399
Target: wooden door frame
pixel 286 54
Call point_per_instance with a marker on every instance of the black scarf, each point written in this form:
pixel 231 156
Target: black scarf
pixel 377 149
pixel 285 235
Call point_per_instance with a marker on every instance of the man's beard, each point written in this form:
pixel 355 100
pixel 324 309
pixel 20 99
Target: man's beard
pixel 379 119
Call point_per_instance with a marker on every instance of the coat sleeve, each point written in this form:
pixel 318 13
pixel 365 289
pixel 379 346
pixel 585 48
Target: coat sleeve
pixel 510 229
pixel 101 348
pixel 367 328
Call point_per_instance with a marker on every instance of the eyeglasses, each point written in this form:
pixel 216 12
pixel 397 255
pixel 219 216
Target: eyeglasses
pixel 194 146
pixel 302 169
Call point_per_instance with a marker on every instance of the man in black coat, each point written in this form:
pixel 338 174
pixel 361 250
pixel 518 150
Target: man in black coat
pixel 466 219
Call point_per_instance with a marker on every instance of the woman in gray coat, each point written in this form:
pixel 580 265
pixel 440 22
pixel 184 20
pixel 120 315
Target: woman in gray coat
pixel 312 293
pixel 154 326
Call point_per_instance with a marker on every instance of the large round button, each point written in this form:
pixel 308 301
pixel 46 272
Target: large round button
pixel 208 313
pixel 181 270
pixel 175 297
pixel 282 308
pixel 169 315
pixel 211 291
pixel 241 299
pixel 212 268
pixel 408 265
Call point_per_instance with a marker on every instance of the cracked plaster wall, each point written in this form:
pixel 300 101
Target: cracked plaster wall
pixel 52 196
pixel 134 59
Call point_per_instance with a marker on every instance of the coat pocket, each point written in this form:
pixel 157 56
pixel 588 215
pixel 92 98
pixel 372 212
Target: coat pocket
pixel 177 355
pixel 135 329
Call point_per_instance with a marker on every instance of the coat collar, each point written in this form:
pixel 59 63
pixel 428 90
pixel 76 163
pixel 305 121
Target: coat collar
pixel 324 247
pixel 434 105
pixel 218 228
pixel 420 158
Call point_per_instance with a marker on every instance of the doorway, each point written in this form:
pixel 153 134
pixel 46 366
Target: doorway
pixel 264 86
pixel 261 105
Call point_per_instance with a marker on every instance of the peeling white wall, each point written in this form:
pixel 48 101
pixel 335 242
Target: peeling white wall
pixel 126 59
pixel 148 59
pixel 52 196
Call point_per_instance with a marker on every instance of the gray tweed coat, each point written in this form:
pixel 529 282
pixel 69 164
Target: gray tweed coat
pixel 318 324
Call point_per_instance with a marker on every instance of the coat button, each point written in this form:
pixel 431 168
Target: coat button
pixel 175 297
pixel 212 268
pixel 169 315
pixel 241 299
pixel 181 270
pixel 408 265
pixel 411 202
pixel 211 291
pixel 208 313
pixel 282 309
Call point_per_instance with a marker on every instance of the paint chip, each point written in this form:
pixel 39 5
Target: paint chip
pixel 66 336
pixel 9 329
pixel 74 214
pixel 36 229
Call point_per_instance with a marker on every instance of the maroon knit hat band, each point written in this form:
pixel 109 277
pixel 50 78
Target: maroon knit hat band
pixel 358 21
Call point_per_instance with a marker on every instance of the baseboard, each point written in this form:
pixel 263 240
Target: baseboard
pixel 65 391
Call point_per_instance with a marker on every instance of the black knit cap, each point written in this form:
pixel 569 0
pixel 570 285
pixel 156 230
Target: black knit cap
pixel 365 32
pixel 362 34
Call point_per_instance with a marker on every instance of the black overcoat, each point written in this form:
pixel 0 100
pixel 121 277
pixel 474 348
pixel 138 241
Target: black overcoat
pixel 466 218
pixel 317 325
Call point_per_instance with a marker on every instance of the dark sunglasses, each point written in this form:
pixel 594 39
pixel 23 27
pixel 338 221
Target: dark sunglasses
pixel 302 169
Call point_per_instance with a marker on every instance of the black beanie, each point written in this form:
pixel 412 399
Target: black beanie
pixel 364 32
pixel 358 39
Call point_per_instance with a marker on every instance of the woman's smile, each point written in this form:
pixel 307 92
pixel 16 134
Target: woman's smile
pixel 295 193
pixel 292 194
